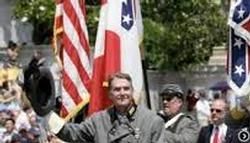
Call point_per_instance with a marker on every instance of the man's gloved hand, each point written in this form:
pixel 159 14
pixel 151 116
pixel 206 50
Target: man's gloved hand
pixel 39 87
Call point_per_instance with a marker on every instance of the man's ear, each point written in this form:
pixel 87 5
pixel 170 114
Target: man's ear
pixel 180 101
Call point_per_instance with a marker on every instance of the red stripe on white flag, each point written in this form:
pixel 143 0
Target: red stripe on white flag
pixel 76 73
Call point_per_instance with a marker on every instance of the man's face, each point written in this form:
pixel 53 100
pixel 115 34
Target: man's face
pixel 171 105
pixel 12 54
pixel 121 93
pixel 9 125
pixel 218 112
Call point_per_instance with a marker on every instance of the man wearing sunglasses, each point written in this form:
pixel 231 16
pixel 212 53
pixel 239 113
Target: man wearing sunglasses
pixel 179 127
pixel 217 131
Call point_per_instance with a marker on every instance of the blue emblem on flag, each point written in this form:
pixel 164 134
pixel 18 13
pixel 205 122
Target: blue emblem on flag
pixel 127 18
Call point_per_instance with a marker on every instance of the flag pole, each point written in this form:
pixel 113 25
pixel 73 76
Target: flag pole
pixel 145 77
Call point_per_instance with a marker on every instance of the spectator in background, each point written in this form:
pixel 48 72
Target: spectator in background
pixel 191 99
pixel 179 127
pixel 3 116
pixel 216 95
pixel 18 139
pixel 10 130
pixel 12 54
pixel 37 131
pixel 22 119
pixel 202 108
pixel 217 131
pixel 10 98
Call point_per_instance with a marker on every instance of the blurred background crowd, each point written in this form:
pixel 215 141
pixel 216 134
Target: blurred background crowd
pixel 18 122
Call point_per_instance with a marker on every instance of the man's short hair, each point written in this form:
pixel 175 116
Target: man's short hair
pixel 12 45
pixel 10 119
pixel 120 76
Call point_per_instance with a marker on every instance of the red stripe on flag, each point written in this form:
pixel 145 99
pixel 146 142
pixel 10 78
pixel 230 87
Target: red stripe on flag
pixel 99 99
pixel 103 2
pixel 82 5
pixel 58 22
pixel 74 56
pixel 71 88
pixel 63 111
pixel 112 53
pixel 70 11
pixel 246 26
pixel 104 65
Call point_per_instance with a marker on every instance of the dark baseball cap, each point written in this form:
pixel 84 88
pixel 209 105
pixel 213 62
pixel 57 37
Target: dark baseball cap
pixel 172 90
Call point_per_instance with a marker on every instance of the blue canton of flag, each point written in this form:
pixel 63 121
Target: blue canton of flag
pixel 238 52
pixel 239 18
pixel 127 18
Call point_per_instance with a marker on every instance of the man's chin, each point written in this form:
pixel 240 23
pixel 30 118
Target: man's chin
pixel 216 122
pixel 123 103
pixel 166 112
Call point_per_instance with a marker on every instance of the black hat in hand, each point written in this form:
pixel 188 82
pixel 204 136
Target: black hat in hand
pixel 39 87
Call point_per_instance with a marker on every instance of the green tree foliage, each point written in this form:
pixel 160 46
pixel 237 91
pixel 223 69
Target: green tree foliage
pixel 181 34
pixel 178 34
pixel 40 13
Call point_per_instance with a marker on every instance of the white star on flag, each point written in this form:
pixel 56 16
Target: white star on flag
pixel 126 19
pixel 238 43
pixel 239 70
pixel 241 13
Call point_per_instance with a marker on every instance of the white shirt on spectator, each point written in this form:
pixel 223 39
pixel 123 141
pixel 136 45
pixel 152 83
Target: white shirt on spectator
pixel 203 111
pixel 22 121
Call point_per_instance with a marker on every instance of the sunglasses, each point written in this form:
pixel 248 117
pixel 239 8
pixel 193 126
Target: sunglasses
pixel 167 98
pixel 216 110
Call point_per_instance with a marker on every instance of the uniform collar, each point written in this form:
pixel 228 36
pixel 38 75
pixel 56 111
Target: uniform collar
pixel 173 120
pixel 130 114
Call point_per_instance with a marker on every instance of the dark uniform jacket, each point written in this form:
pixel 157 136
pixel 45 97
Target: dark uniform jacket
pixel 206 132
pixel 140 126
pixel 184 130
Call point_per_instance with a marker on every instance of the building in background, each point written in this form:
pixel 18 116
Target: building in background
pixel 18 31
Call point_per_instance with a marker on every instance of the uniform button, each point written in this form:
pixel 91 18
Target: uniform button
pixel 113 131
pixel 131 130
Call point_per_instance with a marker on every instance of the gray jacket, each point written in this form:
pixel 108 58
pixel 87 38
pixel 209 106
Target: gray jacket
pixel 184 130
pixel 143 126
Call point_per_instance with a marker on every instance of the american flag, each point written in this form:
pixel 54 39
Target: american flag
pixel 116 49
pixel 238 52
pixel 71 32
